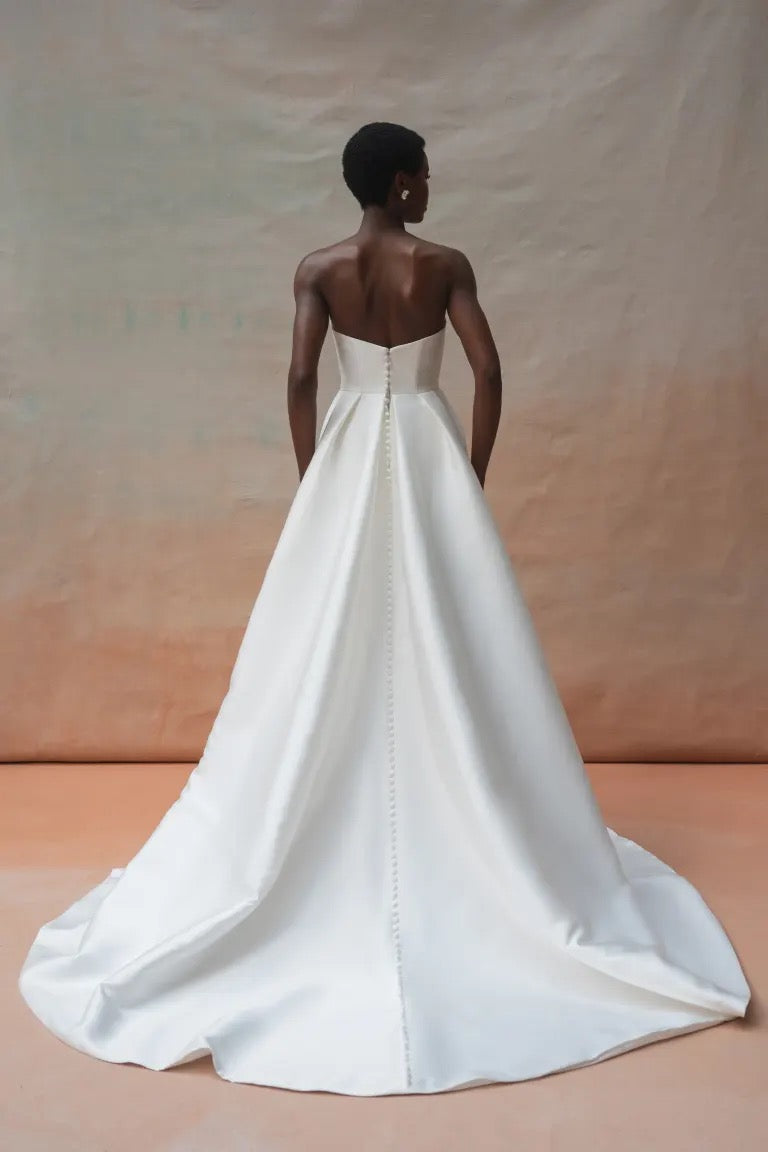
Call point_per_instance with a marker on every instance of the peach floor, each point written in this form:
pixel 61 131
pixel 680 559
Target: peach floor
pixel 64 826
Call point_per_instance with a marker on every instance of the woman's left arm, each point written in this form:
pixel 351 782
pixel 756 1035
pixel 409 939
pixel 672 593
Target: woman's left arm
pixel 309 329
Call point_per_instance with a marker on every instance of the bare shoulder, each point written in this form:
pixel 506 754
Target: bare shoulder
pixel 438 263
pixel 313 268
pixel 429 250
pixel 321 258
pixel 462 272
pixel 452 262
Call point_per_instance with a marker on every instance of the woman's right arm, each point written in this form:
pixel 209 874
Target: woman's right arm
pixel 472 328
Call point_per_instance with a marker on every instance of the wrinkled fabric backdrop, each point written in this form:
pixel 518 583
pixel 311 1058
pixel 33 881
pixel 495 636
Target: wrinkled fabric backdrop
pixel 163 167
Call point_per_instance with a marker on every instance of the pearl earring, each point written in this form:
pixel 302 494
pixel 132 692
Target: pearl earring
pixel 404 194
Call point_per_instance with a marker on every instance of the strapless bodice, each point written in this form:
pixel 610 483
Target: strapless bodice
pixel 403 368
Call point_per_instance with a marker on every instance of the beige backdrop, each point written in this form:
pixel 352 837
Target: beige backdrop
pixel 165 164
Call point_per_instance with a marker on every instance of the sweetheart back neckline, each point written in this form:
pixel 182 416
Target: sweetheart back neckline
pixel 389 347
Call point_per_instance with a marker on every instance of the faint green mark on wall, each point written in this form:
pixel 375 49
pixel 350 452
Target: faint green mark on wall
pixel 128 316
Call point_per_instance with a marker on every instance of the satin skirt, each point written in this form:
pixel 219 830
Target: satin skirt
pixel 388 872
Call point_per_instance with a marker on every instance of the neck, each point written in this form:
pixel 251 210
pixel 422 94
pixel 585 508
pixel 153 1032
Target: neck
pixel 378 218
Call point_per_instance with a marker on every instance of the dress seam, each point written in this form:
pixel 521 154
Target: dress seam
pixel 390 703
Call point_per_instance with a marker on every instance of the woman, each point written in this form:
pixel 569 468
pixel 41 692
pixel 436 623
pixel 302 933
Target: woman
pixel 388 286
pixel 388 872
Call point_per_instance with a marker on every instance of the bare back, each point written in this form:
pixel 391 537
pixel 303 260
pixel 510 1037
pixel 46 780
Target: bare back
pixel 388 288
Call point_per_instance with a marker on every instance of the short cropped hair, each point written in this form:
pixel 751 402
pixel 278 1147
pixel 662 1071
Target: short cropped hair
pixel 374 154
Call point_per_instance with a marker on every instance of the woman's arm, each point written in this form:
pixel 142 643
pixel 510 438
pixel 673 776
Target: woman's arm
pixel 473 330
pixel 309 328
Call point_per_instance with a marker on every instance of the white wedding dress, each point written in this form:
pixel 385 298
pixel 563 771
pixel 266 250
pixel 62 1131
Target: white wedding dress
pixel 388 872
